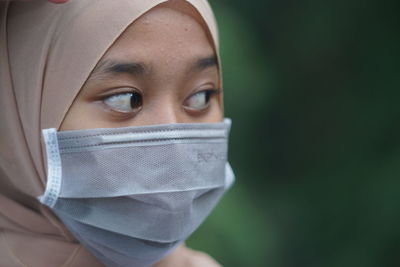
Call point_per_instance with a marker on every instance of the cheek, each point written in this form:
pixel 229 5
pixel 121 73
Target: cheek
pixel 82 115
pixel 216 112
pixel 75 118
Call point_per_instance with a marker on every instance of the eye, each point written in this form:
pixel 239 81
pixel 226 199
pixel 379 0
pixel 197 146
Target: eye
pixel 200 100
pixel 124 102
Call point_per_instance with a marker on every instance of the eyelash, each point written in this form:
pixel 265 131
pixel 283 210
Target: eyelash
pixel 209 93
pixel 109 106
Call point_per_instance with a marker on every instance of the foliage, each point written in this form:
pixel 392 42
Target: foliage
pixel 313 90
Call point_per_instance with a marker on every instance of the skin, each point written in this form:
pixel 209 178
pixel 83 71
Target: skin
pixel 58 1
pixel 166 57
pixel 169 45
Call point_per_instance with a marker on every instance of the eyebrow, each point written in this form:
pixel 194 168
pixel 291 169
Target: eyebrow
pixel 204 63
pixel 113 67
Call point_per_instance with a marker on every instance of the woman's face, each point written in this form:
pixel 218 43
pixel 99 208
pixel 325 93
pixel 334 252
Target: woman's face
pixel 162 69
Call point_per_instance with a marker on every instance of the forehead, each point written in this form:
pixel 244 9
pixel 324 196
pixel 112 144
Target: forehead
pixel 162 35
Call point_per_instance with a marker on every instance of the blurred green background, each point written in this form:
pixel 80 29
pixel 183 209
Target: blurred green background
pixel 313 89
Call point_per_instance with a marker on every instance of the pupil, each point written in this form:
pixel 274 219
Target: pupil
pixel 136 100
pixel 208 94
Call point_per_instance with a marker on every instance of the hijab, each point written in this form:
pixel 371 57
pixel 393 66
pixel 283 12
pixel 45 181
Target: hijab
pixel 47 52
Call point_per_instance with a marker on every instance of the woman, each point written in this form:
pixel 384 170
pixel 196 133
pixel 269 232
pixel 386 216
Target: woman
pixel 132 159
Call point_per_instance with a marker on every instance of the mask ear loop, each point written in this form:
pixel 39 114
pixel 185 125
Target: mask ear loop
pixel 229 176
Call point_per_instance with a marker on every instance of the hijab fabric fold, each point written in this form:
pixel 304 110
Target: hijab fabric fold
pixel 47 52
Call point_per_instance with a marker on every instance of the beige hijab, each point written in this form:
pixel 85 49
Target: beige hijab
pixel 47 51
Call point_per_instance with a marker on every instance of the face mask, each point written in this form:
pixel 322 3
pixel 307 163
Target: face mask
pixel 132 195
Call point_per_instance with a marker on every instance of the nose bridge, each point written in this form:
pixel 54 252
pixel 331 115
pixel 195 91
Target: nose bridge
pixel 165 109
pixel 167 114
